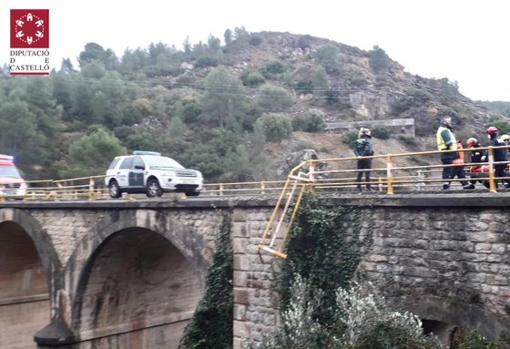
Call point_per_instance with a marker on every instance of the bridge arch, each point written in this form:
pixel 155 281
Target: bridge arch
pixel 454 312
pixel 134 274
pixel 28 267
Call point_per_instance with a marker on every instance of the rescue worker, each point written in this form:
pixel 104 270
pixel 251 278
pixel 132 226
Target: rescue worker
pixel 458 170
pixel 446 141
pixel 477 156
pixel 499 155
pixel 506 139
pixel 362 148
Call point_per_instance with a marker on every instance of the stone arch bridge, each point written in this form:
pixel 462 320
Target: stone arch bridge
pixel 129 274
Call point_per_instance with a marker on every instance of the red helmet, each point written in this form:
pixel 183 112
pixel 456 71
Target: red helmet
pixel 471 142
pixel 492 131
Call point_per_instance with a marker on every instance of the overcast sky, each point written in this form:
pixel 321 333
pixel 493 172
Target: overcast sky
pixel 465 41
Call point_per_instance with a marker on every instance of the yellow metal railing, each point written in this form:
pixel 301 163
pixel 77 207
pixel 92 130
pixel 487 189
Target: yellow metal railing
pixel 391 172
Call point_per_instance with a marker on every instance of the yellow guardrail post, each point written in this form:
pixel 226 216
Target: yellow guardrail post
pixel 92 194
pixel 389 178
pixel 492 180
pixel 380 185
pixel 419 183
pixel 311 169
pixel 221 189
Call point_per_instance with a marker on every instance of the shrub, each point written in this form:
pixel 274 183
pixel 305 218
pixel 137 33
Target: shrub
pixel 211 325
pixel 378 59
pixel 274 126
pixel 272 68
pixel 190 111
pixel 313 121
pixel 274 98
pixel 204 62
pixel 381 132
pixel 350 138
pixel 300 329
pixel 255 40
pixel 327 56
pixel 473 339
pixel 304 87
pixel 252 79
pixel 370 323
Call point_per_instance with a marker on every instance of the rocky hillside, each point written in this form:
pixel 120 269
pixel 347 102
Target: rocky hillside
pixel 358 84
pixel 236 111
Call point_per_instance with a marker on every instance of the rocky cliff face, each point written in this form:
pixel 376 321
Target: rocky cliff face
pixel 361 85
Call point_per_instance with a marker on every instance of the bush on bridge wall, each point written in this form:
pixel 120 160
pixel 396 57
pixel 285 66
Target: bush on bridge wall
pixel 325 249
pixel 211 326
pixel 319 308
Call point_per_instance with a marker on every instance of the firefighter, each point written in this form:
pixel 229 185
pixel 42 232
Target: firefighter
pixel 477 156
pixel 458 169
pixel 500 155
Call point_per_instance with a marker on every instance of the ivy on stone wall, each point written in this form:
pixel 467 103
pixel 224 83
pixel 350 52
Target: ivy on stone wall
pixel 211 326
pixel 325 248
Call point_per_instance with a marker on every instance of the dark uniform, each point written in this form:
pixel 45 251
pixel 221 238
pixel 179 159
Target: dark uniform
pixel 363 147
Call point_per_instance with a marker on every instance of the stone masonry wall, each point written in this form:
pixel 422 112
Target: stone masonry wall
pixel 450 265
pixel 428 255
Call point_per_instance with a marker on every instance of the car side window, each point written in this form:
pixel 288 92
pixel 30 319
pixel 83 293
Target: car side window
pixel 127 164
pixel 138 163
pixel 114 164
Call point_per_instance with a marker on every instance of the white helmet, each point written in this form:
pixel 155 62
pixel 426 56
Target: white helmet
pixel 505 138
pixel 364 132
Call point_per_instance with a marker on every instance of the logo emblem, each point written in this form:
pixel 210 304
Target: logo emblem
pixel 30 29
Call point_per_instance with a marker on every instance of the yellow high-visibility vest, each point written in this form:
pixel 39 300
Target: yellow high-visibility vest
pixel 441 144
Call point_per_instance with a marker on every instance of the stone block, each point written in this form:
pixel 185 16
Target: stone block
pixel 483 248
pixel 241 296
pixel 241 329
pixel 239 312
pixel 242 262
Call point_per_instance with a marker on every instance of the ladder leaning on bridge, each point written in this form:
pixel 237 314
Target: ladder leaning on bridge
pixel 310 175
pixel 283 215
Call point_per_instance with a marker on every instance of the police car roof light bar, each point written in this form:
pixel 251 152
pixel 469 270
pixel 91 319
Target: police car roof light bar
pixel 143 152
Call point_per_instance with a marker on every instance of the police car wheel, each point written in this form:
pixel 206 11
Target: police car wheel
pixel 153 188
pixel 192 193
pixel 114 189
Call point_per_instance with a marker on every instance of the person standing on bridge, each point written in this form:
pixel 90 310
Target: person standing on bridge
pixel 446 141
pixel 477 156
pixel 362 148
pixel 499 155
pixel 458 169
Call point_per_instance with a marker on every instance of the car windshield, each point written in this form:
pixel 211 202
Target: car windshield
pixel 9 171
pixel 160 162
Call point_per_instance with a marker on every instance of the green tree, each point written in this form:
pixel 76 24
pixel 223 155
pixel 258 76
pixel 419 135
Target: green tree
pixel 274 98
pixel 96 53
pixel 223 98
pixel 20 136
pixel 252 79
pixel 312 121
pixel 327 56
pixel 274 126
pixel 320 83
pixel 92 153
pixel 378 59
pixel 228 37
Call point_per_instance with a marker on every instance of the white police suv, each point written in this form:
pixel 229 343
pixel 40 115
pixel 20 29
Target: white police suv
pixel 149 172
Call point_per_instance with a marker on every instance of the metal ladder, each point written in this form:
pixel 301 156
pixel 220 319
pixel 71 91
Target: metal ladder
pixel 283 214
